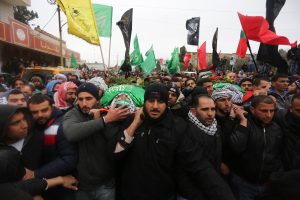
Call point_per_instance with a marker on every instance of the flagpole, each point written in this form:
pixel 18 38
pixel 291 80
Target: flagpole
pixel 109 51
pixel 102 57
pixel 248 43
pixel 252 55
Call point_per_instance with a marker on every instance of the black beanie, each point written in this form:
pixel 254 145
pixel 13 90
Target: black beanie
pixel 90 88
pixel 157 91
pixel 173 88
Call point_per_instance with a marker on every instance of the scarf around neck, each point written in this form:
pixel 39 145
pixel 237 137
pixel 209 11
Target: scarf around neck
pixel 209 130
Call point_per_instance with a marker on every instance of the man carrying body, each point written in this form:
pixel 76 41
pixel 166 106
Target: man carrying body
pixel 84 125
pixel 153 145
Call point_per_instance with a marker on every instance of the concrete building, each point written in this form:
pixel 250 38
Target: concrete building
pixel 29 46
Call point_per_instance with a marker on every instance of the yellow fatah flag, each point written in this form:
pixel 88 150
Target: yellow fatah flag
pixel 81 19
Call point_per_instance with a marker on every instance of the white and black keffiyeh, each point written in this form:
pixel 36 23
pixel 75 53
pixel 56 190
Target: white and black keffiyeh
pixel 209 130
pixel 131 107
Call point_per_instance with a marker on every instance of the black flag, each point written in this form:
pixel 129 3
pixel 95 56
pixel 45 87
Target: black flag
pixel 125 25
pixel 192 25
pixel 215 55
pixel 269 53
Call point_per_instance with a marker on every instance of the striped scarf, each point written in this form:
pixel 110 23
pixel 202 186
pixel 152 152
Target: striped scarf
pixel 209 130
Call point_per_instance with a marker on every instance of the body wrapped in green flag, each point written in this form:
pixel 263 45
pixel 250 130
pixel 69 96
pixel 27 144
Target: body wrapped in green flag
pixel 136 93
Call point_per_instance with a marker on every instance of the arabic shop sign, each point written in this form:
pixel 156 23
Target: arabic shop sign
pixel 46 46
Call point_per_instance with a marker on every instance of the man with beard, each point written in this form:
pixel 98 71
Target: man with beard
pixel 65 96
pixel 246 84
pixel 153 144
pixel 286 184
pixel 207 84
pixel 84 125
pixel 59 157
pixel 206 133
pixel 226 121
pixel 15 140
pixel 257 146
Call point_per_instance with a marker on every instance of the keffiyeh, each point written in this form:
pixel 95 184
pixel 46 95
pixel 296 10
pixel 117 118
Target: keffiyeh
pixel 221 93
pixel 60 95
pixel 99 82
pixel 130 103
pixel 209 130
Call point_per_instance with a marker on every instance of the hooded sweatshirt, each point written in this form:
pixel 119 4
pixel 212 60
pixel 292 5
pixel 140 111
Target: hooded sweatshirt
pixel 11 167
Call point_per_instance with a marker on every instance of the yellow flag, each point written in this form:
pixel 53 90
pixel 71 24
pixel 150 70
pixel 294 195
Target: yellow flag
pixel 81 19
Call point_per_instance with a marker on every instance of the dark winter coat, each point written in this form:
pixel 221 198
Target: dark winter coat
pixel 211 147
pixel 148 170
pixel 257 151
pixel 59 156
pixel 12 167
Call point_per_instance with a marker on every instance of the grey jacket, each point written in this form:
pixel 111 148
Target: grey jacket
pixel 95 167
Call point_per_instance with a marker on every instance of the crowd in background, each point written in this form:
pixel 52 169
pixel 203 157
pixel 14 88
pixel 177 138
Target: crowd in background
pixel 194 136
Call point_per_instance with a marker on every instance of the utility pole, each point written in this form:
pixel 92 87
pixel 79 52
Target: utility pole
pixel 53 2
pixel 60 38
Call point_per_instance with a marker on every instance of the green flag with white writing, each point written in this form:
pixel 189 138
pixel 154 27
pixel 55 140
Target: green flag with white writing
pixel 103 16
pixel 150 63
pixel 174 62
pixel 136 57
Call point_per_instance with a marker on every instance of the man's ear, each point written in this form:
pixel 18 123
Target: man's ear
pixel 252 109
pixel 193 110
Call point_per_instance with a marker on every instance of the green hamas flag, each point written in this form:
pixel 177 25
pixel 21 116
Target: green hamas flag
pixel 174 62
pixel 149 64
pixel 73 61
pixel 136 93
pixel 136 57
pixel 103 16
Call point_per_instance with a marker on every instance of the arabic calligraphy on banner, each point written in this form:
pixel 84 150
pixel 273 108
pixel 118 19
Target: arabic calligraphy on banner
pixel 46 46
pixel 20 34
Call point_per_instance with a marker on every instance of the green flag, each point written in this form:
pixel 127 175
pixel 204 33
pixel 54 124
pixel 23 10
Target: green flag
pixel 136 57
pixel 174 62
pixel 103 16
pixel 73 61
pixel 149 64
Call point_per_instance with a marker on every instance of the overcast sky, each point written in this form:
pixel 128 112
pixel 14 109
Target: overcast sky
pixel 161 23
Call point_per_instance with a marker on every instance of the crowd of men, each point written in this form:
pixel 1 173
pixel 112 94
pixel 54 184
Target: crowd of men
pixel 195 138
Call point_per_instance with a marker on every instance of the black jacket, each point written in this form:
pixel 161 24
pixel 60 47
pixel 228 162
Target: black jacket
pixel 257 151
pixel 33 143
pixel 211 147
pixel 59 156
pixel 227 125
pixel 12 167
pixel 291 129
pixel 285 185
pixel 148 170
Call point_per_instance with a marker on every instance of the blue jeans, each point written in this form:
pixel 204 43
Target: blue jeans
pixel 103 192
pixel 244 190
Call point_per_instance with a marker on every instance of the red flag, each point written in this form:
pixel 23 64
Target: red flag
pixel 202 56
pixel 242 47
pixel 257 28
pixel 187 59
